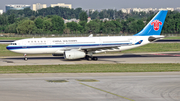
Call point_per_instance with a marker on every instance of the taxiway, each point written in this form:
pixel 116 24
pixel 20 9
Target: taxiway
pixel 103 59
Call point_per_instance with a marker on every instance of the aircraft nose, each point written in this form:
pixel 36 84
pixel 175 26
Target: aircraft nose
pixel 8 47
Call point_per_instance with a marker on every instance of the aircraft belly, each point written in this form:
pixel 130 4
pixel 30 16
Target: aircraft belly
pixel 35 51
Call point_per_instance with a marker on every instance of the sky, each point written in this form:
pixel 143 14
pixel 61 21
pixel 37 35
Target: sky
pixel 100 4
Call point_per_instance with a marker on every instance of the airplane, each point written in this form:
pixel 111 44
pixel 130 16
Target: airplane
pixel 84 47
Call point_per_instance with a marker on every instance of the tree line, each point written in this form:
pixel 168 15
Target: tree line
pixel 67 13
pixel 55 25
pixel 50 21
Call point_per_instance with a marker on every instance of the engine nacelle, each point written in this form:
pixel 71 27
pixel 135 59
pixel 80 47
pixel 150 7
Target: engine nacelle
pixel 74 54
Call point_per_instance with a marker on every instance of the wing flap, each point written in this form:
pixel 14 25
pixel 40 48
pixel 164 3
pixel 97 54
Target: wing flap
pixel 94 48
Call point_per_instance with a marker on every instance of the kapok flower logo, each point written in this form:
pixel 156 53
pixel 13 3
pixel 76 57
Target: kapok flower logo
pixel 156 24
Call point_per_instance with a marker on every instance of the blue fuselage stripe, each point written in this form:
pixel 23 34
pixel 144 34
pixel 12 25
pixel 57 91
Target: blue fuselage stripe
pixel 61 46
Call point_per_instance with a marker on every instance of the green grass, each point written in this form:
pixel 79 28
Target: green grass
pixel 91 68
pixel 153 47
pixel 5 52
pixel 175 37
pixel 11 38
pixel 157 47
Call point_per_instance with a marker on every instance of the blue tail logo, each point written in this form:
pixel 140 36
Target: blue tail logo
pixel 139 42
pixel 154 27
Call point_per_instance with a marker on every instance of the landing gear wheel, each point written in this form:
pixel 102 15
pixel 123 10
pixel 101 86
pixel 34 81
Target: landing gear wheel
pixel 89 58
pixel 25 59
pixel 95 58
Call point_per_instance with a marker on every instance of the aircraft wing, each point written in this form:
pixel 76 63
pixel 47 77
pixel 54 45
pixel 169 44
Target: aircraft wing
pixel 94 48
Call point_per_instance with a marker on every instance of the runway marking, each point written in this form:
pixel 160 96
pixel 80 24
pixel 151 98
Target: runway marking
pixel 57 81
pixel 107 92
pixel 87 80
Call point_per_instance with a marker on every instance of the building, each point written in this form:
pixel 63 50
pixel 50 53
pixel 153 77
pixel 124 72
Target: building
pixel 124 10
pixel 62 5
pixel 71 20
pixel 127 10
pixel 17 7
pixel 38 6
pixel 177 9
pixel 91 10
pixel 136 10
pixel 170 9
pixel 105 19
pixel 88 19
pixel 1 11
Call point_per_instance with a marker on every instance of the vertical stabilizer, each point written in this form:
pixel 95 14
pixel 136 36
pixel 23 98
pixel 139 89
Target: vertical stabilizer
pixel 154 27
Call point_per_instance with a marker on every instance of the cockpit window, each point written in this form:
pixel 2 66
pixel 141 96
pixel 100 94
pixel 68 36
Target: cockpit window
pixel 13 43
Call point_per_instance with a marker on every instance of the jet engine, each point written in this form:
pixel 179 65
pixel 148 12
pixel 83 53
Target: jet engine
pixel 74 54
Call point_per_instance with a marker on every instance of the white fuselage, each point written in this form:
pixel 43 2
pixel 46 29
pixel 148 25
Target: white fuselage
pixel 59 45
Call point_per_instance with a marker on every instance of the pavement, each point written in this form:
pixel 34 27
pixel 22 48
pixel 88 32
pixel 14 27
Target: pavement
pixel 143 86
pixel 102 59
pixel 153 86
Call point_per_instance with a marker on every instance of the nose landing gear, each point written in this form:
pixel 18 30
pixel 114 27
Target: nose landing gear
pixel 25 58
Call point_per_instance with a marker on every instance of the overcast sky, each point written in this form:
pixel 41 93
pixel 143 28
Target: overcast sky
pixel 100 4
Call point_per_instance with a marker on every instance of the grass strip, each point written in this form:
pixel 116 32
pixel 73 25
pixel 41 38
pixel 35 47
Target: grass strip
pixel 91 68
pixel 5 52
pixel 12 38
pixel 175 37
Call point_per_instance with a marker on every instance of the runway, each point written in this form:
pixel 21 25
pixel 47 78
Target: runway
pixel 103 59
pixel 109 87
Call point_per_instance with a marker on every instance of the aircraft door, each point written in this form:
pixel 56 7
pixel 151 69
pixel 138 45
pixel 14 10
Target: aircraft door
pixel 49 43
pixel 100 42
pixel 133 40
pixel 24 44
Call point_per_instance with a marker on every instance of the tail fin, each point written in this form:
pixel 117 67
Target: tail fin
pixel 155 26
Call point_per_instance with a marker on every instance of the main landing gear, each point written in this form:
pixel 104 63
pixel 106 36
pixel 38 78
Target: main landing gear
pixel 91 58
pixel 25 58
